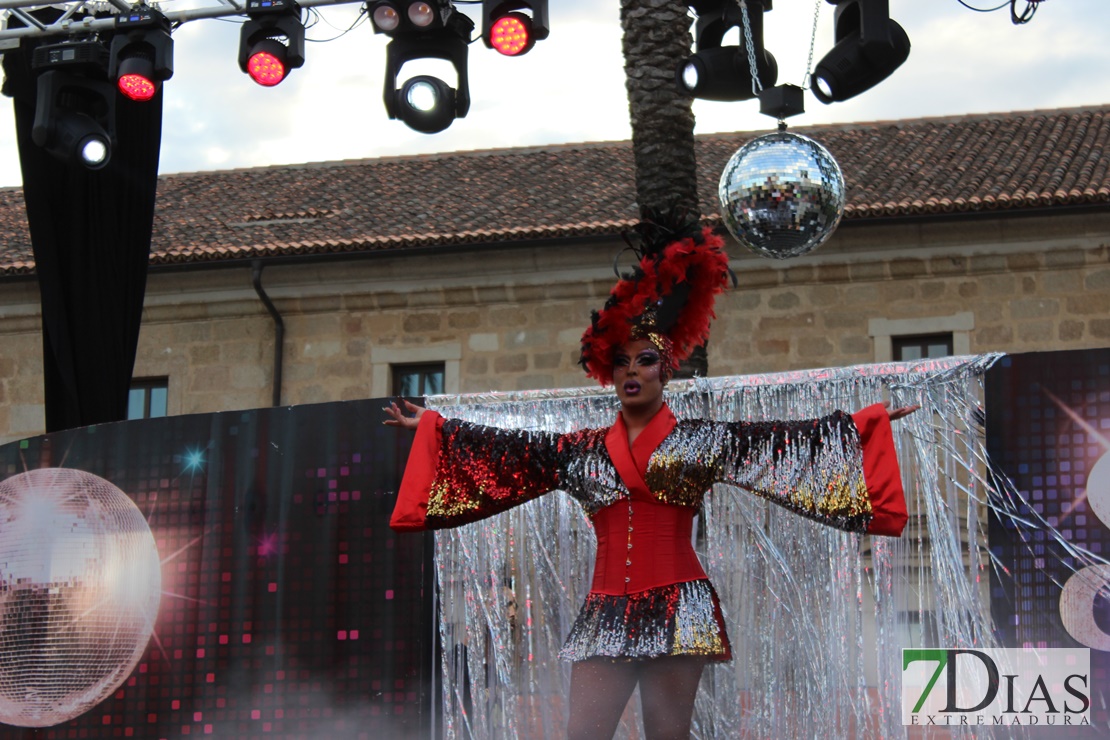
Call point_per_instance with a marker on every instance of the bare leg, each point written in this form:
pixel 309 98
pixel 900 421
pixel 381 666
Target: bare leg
pixel 599 691
pixel 668 687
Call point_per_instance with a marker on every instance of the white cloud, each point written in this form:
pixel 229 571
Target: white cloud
pixel 570 88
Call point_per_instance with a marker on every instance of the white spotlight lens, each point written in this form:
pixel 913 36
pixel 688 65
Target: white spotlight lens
pixel 823 86
pixel 386 17
pixel 422 96
pixel 93 152
pixel 690 76
pixel 421 15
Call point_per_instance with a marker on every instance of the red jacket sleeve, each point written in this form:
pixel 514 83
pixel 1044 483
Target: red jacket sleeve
pixel 411 510
pixel 880 471
pixel 458 472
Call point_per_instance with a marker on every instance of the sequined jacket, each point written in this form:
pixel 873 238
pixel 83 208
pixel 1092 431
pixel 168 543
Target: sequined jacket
pixel 840 470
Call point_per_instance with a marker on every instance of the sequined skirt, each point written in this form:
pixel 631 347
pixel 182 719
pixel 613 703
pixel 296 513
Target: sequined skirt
pixel 679 619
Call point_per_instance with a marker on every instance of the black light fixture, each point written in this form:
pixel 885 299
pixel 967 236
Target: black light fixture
pixel 869 47
pixel 424 30
pixel 75 103
pixel 142 53
pixel 401 17
pixel 426 104
pixel 512 27
pixel 718 72
pixel 272 41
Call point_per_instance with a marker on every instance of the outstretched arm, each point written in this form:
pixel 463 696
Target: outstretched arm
pixel 840 470
pixel 458 472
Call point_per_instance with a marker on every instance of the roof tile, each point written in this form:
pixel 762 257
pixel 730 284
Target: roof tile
pixel 893 169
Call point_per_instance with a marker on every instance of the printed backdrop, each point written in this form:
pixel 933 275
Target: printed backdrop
pixel 1048 425
pixel 289 609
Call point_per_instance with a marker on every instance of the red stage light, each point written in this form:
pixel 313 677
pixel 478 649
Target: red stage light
pixel 136 78
pixel 511 34
pixel 137 87
pixel 271 43
pixel 266 68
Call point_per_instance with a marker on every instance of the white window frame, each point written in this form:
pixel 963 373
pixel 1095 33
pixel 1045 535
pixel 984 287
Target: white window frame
pixel 883 330
pixel 382 360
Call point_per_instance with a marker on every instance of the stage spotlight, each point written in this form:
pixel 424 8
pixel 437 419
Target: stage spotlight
pixel 136 79
pixel 74 104
pixel 425 103
pixel 512 27
pixel 271 43
pixel 267 62
pixel 723 74
pixel 77 137
pixel 385 17
pixel 421 15
pixel 142 53
pixel 399 17
pixel 511 35
pixel 869 47
pixel 718 72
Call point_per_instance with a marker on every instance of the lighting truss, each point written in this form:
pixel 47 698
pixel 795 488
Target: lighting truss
pixel 273 32
pixel 77 17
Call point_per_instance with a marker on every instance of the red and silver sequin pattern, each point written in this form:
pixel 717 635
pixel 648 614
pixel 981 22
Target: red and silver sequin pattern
pixel 590 476
pixel 812 467
pixel 484 470
pixel 680 619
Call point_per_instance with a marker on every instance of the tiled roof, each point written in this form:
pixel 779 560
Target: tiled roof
pixel 894 169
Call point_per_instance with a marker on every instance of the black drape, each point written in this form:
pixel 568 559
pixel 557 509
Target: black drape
pixel 90 233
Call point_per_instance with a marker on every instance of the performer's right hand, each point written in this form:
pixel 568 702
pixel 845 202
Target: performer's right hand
pixel 397 417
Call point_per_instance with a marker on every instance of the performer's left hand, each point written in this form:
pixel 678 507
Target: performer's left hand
pixel 899 412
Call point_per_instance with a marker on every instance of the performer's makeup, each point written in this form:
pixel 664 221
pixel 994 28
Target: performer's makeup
pixel 638 372
pixel 644 358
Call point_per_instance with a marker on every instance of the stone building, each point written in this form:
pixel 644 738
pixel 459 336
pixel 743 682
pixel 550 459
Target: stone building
pixel 478 270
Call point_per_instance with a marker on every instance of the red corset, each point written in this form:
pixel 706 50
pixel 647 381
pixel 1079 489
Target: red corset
pixel 650 548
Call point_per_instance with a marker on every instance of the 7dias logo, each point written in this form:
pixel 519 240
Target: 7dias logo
pixel 996 687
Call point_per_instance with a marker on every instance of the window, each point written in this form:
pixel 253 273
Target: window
pixel 147 398
pixel 921 346
pixel 418 379
pixel 386 363
pixel 957 329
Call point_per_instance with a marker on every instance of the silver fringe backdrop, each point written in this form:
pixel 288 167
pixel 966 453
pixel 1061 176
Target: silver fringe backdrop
pixel 817 617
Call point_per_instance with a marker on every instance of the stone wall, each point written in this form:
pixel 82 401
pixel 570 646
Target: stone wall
pixel 511 318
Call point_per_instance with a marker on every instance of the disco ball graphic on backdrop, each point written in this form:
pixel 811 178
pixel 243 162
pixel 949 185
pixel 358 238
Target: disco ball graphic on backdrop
pixel 782 195
pixel 80 582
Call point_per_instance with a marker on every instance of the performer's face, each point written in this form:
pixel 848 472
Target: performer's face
pixel 638 374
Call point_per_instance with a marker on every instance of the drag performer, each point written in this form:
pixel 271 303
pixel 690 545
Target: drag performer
pixel 651 617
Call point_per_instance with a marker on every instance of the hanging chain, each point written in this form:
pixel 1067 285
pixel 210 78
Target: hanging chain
pixel 812 42
pixel 757 86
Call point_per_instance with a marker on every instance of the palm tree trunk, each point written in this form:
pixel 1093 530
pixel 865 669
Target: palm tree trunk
pixel 656 38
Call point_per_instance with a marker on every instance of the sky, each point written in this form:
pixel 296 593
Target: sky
pixel 570 87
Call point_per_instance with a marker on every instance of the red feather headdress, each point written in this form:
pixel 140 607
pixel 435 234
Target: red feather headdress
pixel 670 293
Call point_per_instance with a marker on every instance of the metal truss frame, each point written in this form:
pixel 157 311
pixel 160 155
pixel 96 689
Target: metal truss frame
pixel 80 18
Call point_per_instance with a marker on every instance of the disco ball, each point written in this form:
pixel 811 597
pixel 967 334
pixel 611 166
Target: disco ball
pixel 782 195
pixel 80 582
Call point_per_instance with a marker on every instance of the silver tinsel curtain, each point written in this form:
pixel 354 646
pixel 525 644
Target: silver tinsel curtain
pixel 817 617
